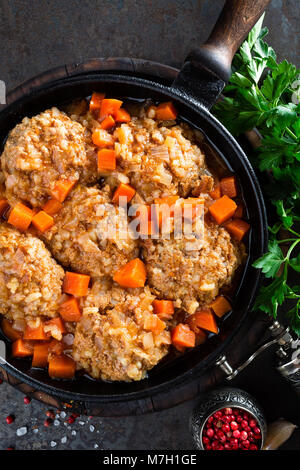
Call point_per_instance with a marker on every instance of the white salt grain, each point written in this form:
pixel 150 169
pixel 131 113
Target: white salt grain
pixel 63 415
pixel 92 428
pixel 53 443
pixel 35 431
pixel 96 446
pixel 73 433
pixel 82 423
pixel 63 440
pixel 56 422
pixel 22 431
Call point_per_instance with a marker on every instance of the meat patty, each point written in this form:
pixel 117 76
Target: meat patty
pixel 91 235
pixel 30 279
pixel 191 275
pixel 115 345
pixel 158 160
pixel 43 149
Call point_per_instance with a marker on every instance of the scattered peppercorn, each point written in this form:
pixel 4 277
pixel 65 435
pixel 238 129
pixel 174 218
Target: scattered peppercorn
pixel 10 419
pixel 50 414
pixel 48 422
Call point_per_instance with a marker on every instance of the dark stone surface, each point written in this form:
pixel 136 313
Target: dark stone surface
pixel 36 36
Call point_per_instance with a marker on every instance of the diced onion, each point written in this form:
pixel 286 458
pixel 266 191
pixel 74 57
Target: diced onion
pixel 161 152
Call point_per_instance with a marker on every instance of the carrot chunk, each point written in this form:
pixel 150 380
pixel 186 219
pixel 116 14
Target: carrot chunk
pixel 76 284
pixel 20 217
pixel 220 306
pixel 21 348
pixel 42 221
pixel 62 188
pixel 61 367
pixel 3 206
pixel 107 123
pixel 132 274
pixel 163 308
pixel 237 228
pixel 229 186
pixel 109 106
pixel 40 354
pixel 55 326
pixel 154 324
pixel 183 337
pixel 102 138
pixel 205 319
pixel 216 192
pixel 9 331
pixel 166 111
pixel 200 334
pixel 52 206
pixel 107 159
pixel 122 116
pixel 124 191
pixel 222 209
pixel 164 207
pixel 35 333
pixel 239 211
pixel 96 100
pixel 69 310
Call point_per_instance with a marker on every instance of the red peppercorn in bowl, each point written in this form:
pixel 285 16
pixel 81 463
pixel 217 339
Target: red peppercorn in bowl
pixel 231 429
pixel 228 419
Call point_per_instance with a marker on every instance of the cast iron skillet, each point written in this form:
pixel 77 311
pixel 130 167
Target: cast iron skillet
pixel 195 89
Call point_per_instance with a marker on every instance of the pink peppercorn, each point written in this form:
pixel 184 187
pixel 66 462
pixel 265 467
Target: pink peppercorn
pixel 229 429
pixel 234 425
pixel 9 419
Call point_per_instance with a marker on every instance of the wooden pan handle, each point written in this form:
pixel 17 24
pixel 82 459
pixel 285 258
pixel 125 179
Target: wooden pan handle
pixel 234 23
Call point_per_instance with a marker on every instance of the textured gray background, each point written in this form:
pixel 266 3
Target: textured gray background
pixel 38 35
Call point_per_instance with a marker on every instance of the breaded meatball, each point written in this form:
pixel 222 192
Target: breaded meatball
pixel 30 279
pixel 43 149
pixel 189 271
pixel 116 345
pixel 90 234
pixel 159 161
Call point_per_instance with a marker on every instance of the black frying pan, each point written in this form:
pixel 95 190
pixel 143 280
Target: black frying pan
pixel 194 91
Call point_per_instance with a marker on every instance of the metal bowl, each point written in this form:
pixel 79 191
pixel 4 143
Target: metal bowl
pixel 225 398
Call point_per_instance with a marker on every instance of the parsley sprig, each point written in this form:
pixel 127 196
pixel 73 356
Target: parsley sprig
pixel 264 94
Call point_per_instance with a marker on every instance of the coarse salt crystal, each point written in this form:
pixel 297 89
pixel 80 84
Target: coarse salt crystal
pixel 74 433
pixel 35 431
pixel 63 414
pixel 56 422
pixel 53 443
pixel 96 446
pixel 82 423
pixel 63 440
pixel 92 428
pixel 22 431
